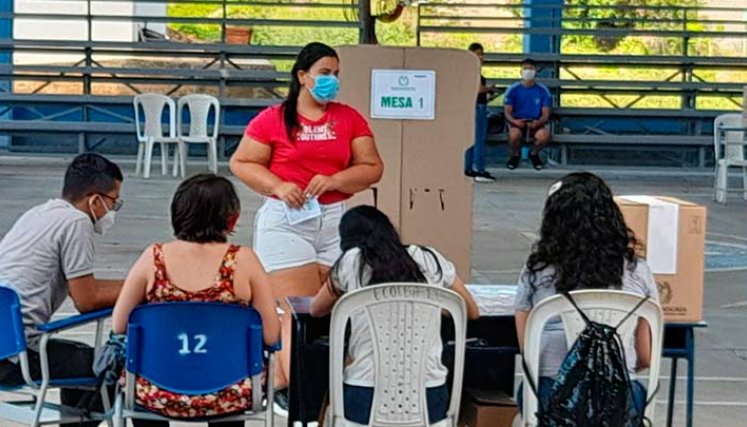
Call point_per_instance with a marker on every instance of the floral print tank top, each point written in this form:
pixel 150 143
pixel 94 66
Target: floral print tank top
pixel 234 398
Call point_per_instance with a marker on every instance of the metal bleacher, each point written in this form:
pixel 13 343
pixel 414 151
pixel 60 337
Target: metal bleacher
pixel 89 118
pixel 246 77
pixel 618 125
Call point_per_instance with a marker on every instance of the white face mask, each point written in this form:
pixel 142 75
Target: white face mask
pixel 528 75
pixel 103 224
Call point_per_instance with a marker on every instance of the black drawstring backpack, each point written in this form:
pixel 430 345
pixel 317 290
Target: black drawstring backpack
pixel 592 387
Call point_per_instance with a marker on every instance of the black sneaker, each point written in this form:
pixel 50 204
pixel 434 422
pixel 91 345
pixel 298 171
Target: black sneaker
pixel 470 173
pixel 513 162
pixel 536 162
pixel 484 177
pixel 280 404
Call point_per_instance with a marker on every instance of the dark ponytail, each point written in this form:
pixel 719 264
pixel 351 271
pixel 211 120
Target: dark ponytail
pixel 308 56
pixel 381 250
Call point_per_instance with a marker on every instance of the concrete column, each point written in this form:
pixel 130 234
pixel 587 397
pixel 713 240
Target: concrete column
pixel 6 57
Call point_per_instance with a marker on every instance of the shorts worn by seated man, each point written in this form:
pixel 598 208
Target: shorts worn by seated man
pixel 528 134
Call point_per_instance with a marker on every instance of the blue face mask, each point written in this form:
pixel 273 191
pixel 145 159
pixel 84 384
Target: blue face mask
pixel 325 88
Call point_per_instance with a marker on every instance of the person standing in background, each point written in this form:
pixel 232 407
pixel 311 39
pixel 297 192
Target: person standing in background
pixel 474 157
pixel 307 156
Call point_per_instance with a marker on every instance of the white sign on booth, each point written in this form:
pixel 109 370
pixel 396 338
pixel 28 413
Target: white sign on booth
pixel 403 94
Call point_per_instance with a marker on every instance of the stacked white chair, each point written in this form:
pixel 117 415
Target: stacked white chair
pixel 732 145
pixel 199 107
pixel 151 131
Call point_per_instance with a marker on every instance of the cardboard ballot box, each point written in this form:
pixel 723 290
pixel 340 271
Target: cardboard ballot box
pixel 420 104
pixel 672 234
pixel 487 408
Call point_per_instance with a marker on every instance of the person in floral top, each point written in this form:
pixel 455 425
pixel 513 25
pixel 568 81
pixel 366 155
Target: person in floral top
pixel 202 266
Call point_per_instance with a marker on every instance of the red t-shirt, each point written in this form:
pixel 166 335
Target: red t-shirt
pixel 322 147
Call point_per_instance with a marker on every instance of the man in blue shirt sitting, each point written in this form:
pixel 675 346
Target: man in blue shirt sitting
pixel 527 109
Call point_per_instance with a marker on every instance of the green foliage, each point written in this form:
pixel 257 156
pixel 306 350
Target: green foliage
pixel 402 32
pixel 268 35
pixel 617 16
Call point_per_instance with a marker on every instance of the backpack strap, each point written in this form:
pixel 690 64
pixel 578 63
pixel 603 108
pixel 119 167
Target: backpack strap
pixel 529 378
pixel 534 386
pixel 643 420
pixel 586 319
pixel 567 295
pixel 630 313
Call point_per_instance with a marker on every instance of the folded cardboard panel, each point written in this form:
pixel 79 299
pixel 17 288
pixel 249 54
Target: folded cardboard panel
pixel 482 408
pixel 356 63
pixel 423 190
pixel 436 199
pixel 366 197
pixel 680 290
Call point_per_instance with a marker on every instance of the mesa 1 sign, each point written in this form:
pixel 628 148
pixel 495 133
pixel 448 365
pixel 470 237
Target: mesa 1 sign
pixel 403 94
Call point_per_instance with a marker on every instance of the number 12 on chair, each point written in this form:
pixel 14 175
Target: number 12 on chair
pixel 197 346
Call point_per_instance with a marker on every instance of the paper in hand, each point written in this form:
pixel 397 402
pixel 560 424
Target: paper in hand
pixel 309 210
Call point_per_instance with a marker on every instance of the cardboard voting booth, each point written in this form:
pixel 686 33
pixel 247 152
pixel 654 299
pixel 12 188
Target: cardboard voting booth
pixel 420 104
pixel 672 232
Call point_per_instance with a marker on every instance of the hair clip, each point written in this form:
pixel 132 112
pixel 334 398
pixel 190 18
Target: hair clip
pixel 554 188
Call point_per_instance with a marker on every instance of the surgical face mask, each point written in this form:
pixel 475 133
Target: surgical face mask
pixel 325 88
pixel 103 224
pixel 528 74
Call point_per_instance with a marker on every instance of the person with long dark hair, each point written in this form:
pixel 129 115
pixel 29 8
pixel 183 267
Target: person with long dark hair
pixel 307 156
pixel 199 265
pixel 373 254
pixel 583 244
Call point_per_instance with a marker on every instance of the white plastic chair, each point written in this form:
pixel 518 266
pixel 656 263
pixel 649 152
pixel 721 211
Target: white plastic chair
pixel 603 306
pixel 199 107
pixel 733 143
pixel 405 322
pixel 151 132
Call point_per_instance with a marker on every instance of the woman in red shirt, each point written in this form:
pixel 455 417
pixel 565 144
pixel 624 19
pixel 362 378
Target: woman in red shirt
pixel 307 155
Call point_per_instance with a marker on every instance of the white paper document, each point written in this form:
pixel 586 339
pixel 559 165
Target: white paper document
pixel 494 300
pixel 663 226
pixel 310 210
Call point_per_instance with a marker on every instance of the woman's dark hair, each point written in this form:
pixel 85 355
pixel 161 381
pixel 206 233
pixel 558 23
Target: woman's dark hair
pixel 474 47
pixel 368 229
pixel 202 208
pixel 88 174
pixel 308 56
pixel 583 236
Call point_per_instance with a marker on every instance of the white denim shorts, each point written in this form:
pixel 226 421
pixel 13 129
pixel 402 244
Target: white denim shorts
pixel 280 245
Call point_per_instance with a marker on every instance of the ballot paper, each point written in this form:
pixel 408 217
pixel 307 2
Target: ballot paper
pixel 310 210
pixel 494 300
pixel 663 226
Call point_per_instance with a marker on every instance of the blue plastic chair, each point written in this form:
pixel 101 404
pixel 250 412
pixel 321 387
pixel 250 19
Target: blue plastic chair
pixel 196 348
pixel 37 411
